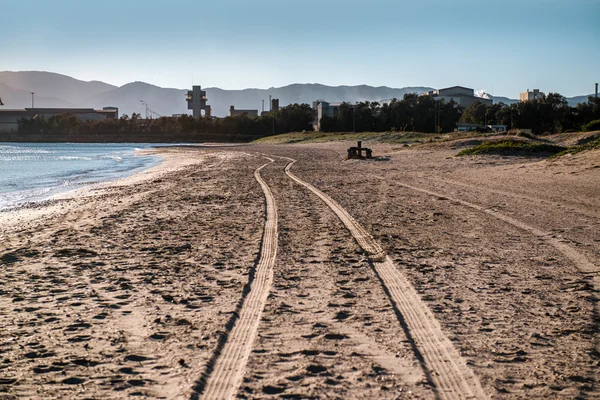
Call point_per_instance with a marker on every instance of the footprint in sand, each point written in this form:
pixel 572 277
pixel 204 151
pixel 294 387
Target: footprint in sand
pixel 84 362
pixel 73 381
pixel 335 336
pixel 127 371
pixel 273 389
pixel 342 315
pixel 136 358
pixel 44 369
pixel 159 336
pixel 316 369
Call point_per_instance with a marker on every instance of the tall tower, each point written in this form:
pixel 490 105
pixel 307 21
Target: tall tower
pixel 196 99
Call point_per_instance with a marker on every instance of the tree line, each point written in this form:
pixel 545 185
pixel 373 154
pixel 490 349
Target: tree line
pixel 548 114
pixel 292 118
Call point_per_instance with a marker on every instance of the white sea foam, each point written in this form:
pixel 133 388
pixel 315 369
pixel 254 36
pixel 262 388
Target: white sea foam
pixel 34 172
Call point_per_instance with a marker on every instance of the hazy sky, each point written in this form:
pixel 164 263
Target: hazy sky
pixel 506 46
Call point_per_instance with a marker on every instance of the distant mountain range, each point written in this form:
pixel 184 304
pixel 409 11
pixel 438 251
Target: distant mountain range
pixel 56 90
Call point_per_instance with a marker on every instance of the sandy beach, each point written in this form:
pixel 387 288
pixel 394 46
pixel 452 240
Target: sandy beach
pixel 220 273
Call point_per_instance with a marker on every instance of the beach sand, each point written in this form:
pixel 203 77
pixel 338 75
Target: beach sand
pixel 139 287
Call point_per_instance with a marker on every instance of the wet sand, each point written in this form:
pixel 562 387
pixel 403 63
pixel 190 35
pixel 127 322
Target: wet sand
pixel 134 288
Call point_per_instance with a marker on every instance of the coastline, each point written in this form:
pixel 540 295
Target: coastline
pixel 130 288
pixel 62 202
pixel 37 174
pixel 151 235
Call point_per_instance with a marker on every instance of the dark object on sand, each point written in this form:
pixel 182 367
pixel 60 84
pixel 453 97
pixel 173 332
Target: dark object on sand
pixel 357 152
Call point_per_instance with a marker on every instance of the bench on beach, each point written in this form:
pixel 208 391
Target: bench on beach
pixel 357 152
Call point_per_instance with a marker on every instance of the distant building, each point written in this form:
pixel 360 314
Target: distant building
pixel 462 127
pixel 531 95
pixel 275 105
pixel 460 95
pixel 324 109
pixel 274 108
pixel 9 119
pixel 196 100
pixel 250 113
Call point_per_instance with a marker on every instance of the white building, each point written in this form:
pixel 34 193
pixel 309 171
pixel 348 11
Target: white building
pixel 531 95
pixel 462 96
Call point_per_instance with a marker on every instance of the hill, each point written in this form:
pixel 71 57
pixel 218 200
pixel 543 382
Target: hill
pixel 56 90
pixel 51 85
pixel 16 98
pixel 128 98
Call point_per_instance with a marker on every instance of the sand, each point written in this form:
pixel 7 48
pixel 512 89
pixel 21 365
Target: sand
pixel 424 276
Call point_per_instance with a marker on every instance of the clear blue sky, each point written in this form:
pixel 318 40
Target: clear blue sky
pixel 506 46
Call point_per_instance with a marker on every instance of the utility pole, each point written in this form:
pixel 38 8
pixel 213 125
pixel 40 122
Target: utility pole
pixel 147 108
pixel 485 116
pixel 270 103
pixel 354 119
pixel 435 115
pixel 439 112
pixel 32 104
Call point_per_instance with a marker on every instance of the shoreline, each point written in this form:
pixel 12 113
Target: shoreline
pixel 63 202
pixel 51 172
pixel 133 287
pixel 121 274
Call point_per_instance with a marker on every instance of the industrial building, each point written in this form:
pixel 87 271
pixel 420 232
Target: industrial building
pixel 324 109
pixel 460 95
pixel 9 119
pixel 274 105
pixel 250 113
pixel 196 100
pixel 531 95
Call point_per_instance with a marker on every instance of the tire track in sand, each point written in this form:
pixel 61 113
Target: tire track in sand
pixel 452 378
pixel 225 371
pixel 580 261
pixel 546 202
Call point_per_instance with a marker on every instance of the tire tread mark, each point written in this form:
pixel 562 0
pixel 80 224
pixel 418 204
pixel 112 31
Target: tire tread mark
pixel 580 261
pixel 452 378
pixel 227 372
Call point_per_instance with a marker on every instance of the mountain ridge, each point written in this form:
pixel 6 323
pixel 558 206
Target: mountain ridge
pixel 58 90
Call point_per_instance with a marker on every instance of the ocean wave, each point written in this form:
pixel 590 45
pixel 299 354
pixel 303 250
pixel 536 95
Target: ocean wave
pixel 35 172
pixel 20 197
pixel 74 158
pixel 115 158
pixel 23 150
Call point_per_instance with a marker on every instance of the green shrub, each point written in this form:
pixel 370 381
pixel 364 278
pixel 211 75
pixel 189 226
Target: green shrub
pixel 526 134
pixel 512 147
pixel 594 144
pixel 592 126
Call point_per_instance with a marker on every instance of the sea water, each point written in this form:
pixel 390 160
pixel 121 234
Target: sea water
pixel 31 172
